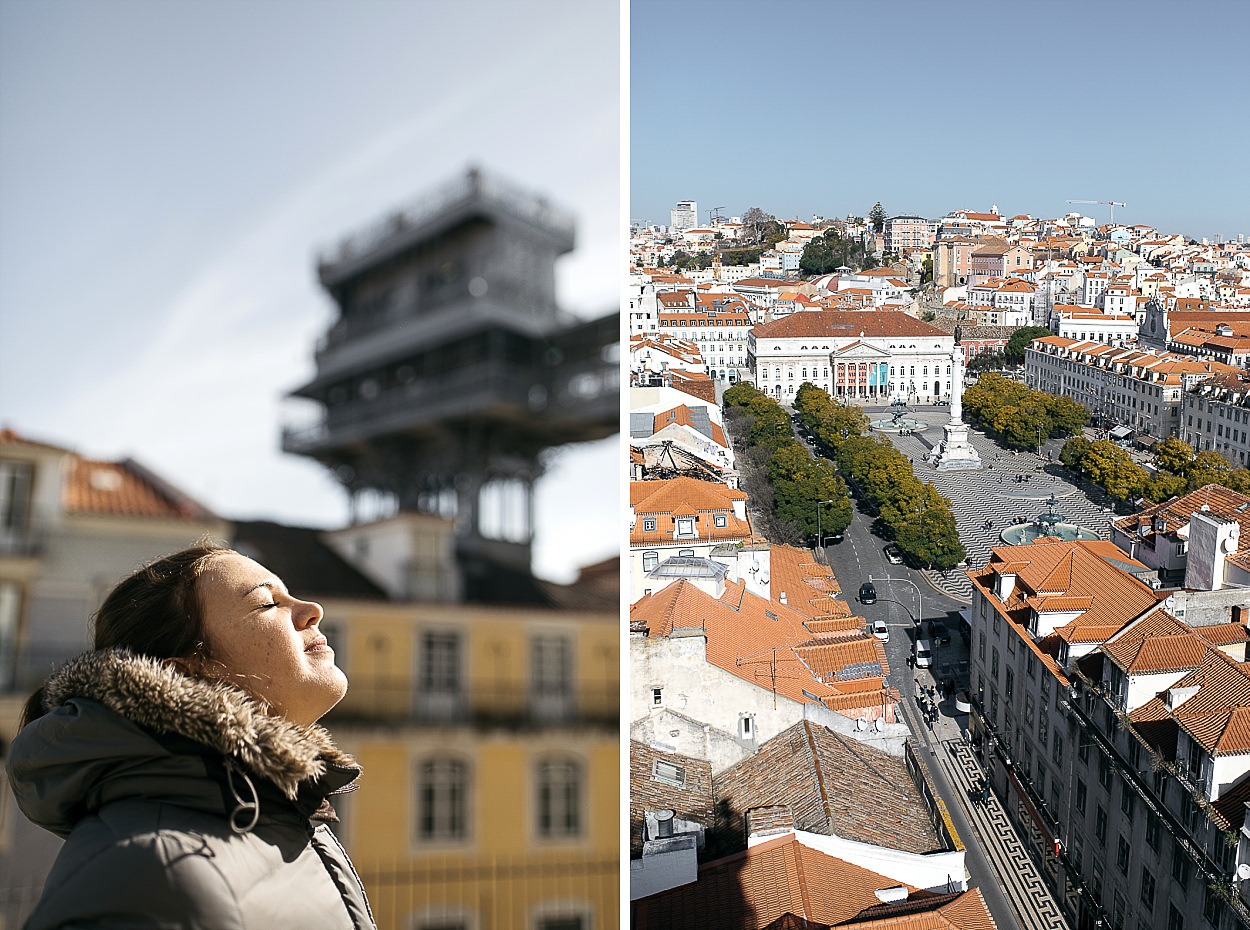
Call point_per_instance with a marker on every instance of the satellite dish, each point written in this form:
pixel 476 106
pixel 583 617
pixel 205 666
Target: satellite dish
pixel 878 724
pixel 861 724
pixel 1243 872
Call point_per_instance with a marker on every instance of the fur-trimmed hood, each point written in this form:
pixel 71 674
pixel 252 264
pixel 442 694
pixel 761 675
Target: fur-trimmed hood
pixel 116 718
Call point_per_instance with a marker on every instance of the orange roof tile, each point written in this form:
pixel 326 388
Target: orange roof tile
pixel 759 888
pixel 123 489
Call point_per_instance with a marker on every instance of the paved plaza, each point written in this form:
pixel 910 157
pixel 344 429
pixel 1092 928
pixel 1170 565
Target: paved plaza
pixel 985 502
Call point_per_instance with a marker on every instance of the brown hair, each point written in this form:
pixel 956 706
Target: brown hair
pixel 155 612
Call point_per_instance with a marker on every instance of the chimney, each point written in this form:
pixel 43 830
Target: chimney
pixel 1212 539
pixel 1006 584
pixel 664 822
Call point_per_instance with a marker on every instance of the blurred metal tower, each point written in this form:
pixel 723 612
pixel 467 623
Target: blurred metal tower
pixel 450 369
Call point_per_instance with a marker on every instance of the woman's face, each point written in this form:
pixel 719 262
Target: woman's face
pixel 269 641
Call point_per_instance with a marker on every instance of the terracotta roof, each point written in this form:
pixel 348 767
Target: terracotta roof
pixel 125 489
pixel 1079 573
pixel 833 785
pixel 1223 634
pixel 663 500
pixel 769 645
pixel 837 324
pixel 1177 512
pixel 12 437
pixel 1215 716
pixel 783 883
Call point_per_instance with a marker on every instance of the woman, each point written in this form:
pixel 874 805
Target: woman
pixel 182 761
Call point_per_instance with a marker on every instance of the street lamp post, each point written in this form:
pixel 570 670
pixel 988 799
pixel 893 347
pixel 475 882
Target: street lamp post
pixel 1039 442
pixel 919 619
pixel 820 540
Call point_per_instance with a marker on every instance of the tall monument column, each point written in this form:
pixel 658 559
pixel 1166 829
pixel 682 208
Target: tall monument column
pixel 954 453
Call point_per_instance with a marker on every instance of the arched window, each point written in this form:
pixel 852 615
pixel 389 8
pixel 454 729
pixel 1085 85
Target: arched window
pixel 442 800
pixel 650 560
pixel 559 798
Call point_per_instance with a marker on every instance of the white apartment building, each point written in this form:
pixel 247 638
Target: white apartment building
pixel 1216 416
pixel 1085 324
pixel 1003 303
pixel 1118 386
pixel 1092 288
pixel 642 308
pixel 684 216
pixel 863 357
pixel 717 324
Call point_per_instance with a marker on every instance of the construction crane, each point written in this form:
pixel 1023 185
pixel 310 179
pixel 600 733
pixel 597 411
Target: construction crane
pixel 714 215
pixel 1111 203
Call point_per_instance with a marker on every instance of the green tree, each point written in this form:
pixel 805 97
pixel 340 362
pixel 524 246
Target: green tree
pixel 1020 340
pixel 1162 487
pixel 1066 415
pixel 1174 454
pixel 800 482
pixel 741 394
pixel 926 270
pixel 1238 480
pixel 739 256
pixel 1074 451
pixel 987 361
pixel 1207 467
pixel 1112 468
pixel 1020 426
pixel 877 217
pixel 929 532
pixel 820 255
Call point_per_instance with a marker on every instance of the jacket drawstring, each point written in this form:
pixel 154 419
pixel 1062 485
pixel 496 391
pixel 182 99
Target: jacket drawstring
pixel 244 807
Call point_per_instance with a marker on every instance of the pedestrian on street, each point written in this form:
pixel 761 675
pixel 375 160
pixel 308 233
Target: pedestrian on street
pixel 182 762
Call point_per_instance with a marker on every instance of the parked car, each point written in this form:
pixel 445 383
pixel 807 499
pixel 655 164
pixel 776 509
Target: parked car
pixel 881 631
pixel 893 554
pixel 867 593
pixel 939 633
pixel 923 652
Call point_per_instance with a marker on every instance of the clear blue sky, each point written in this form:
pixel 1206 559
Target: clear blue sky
pixel 168 172
pixel 825 107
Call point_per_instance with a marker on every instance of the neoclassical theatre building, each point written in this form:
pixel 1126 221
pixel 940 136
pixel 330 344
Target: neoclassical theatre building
pixel 861 357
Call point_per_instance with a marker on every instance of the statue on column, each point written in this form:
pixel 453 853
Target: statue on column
pixel 954 453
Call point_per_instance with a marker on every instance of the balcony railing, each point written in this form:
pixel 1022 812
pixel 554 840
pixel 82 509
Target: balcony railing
pixel 501 892
pixel 511 704
pixel 473 185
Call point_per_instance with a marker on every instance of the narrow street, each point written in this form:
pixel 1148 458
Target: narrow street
pixel 997 860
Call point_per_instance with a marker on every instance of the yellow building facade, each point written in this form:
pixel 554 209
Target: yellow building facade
pixel 490 742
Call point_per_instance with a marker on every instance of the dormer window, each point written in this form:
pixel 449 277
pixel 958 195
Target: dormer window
pixel 648 524
pixel 685 526
pixel 720 520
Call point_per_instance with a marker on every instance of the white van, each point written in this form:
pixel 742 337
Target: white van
pixel 924 653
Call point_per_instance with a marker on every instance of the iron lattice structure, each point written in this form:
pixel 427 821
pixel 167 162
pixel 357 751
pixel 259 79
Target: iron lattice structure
pixel 450 369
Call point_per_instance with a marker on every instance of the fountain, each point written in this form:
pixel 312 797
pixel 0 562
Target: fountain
pixel 899 422
pixel 1049 524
